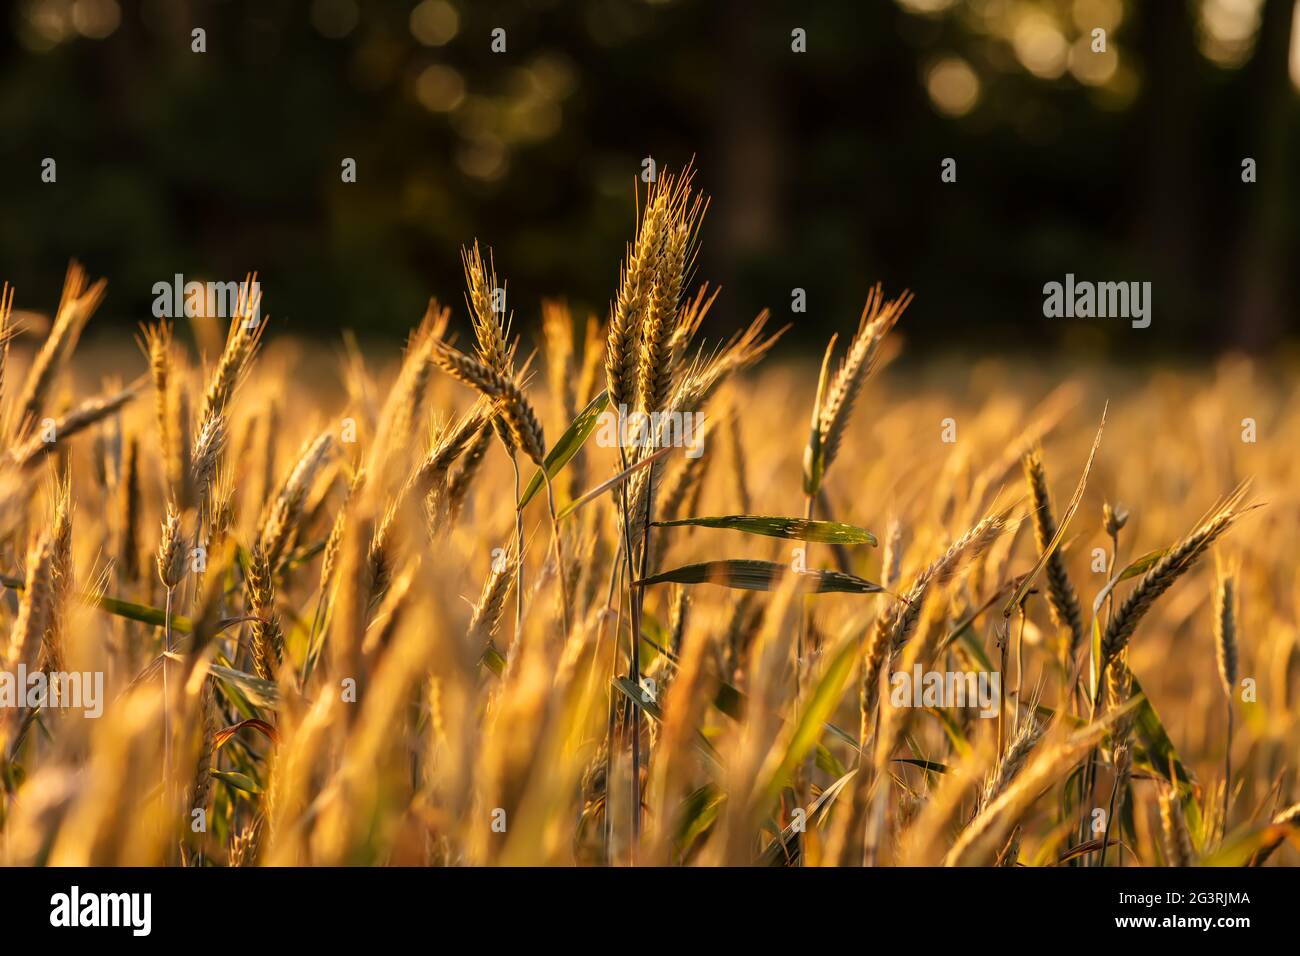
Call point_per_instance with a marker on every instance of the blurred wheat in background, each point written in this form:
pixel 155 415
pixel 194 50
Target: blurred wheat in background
pixel 330 636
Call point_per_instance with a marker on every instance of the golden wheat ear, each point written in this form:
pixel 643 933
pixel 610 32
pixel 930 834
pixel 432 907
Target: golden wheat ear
pixel 506 396
pixel 88 413
pixel 1063 600
pixel 485 297
pixel 878 318
pixel 1175 562
pixel 7 332
pixel 658 360
pixel 488 611
pixel 76 306
pixel 35 606
pixel 630 311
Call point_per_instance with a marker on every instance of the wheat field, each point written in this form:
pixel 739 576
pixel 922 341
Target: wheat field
pixel 327 635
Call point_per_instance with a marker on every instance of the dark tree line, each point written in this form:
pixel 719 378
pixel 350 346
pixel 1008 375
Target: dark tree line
pixel 824 166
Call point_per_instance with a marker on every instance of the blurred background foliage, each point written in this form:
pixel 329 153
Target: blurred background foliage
pixel 823 166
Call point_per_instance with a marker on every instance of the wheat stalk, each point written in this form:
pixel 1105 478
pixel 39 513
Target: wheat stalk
pixel 836 407
pixel 282 519
pixel 981 840
pixel 79 419
pixel 1171 566
pixel 1173 829
pixel 76 306
pixel 267 638
pixel 1062 599
pixel 1225 645
pixel 892 630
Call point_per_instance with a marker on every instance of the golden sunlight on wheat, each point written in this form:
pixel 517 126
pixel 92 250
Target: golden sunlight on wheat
pixel 258 610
